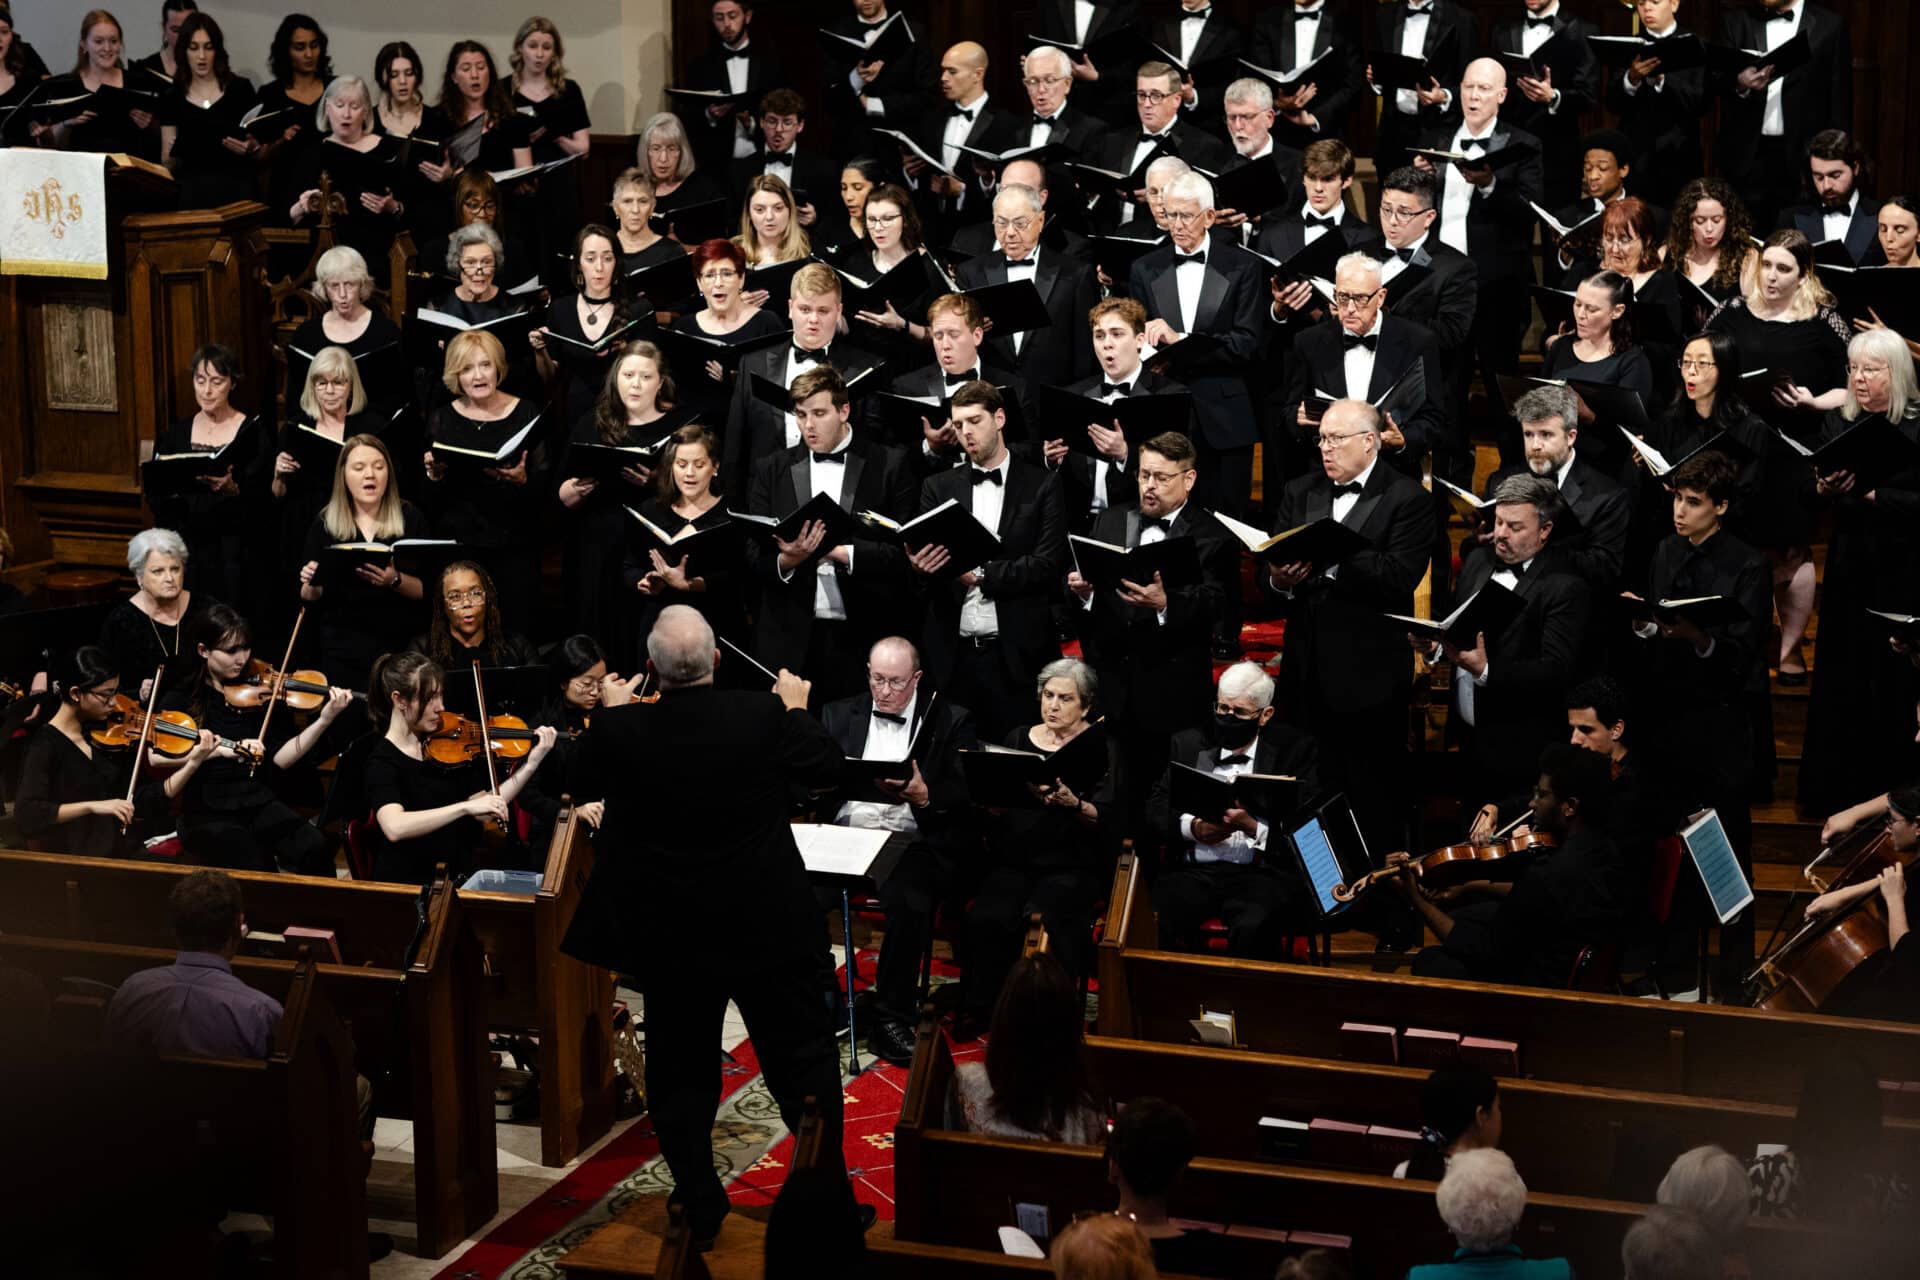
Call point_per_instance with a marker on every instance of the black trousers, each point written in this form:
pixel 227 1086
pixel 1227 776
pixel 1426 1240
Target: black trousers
pixel 923 878
pixel 792 1035
pixel 1363 752
pixel 1257 904
pixel 996 925
pixel 271 837
pixel 981 683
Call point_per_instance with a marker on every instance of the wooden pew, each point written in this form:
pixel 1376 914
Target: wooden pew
pixel 278 1135
pixel 419 1032
pixel 1392 1222
pixel 528 985
pixel 1611 1041
pixel 1572 1139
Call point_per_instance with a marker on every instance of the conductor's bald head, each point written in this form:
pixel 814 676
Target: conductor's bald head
pixel 680 648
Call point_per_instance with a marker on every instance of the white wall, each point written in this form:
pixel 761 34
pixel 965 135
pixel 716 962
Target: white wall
pixel 616 49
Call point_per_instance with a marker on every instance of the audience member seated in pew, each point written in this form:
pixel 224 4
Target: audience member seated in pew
pixel 1838 1168
pixel 1459 1111
pixel 1710 1184
pixel 1104 1248
pixel 1033 1083
pixel 1148 1148
pixel 1481 1200
pixel 1670 1244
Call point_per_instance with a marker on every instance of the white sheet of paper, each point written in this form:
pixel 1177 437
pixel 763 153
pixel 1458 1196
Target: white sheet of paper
pixel 837 851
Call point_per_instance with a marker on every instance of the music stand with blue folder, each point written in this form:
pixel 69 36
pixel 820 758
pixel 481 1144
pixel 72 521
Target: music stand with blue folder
pixel 1719 867
pixel 1318 839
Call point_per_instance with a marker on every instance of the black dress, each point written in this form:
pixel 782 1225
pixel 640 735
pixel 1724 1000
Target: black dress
pixel 139 644
pixel 208 173
pixel 283 157
pixel 706 399
pixel 582 373
pixel 697 189
pixel 596 532
pixel 394 777
pixel 661 250
pixel 556 200
pixel 1812 351
pixel 353 173
pixel 722 604
pixel 230 815
pixel 55 771
pixel 385 380
pixel 357 620
pixel 226 549
pixel 110 132
pixel 499 524
pixel 1602 443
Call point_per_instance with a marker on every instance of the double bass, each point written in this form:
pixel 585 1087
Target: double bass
pixel 1829 959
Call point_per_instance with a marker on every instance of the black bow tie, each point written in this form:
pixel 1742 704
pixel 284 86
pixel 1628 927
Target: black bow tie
pixel 1045 122
pixel 1024 264
pixel 739 53
pixel 1518 571
pixel 1153 137
pixel 889 717
pixel 986 477
pixel 1351 487
pixel 1420 8
pixel 1321 220
pixel 1114 389
pixel 1405 255
pixel 814 357
pixel 1236 757
pixel 1197 258
pixel 779 157
pixel 1162 523
pixel 1313 13
pixel 877 22
pixel 1197 15
pixel 1348 341
pixel 1783 15
pixel 838 457
pixel 960 379
pixel 959 110
pixel 1538 22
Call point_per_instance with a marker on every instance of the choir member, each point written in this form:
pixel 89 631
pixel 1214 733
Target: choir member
pixel 342 282
pixel 144 631
pixel 1440 31
pixel 476 199
pixel 425 813
pixel 820 606
pixel 1899 232
pixel 1074 23
pixel 1895 992
pixel 1660 110
pixel 1047 74
pixel 582 683
pixel 1048 859
pixel 636 244
pixel 1766 119
pixel 1090 486
pixel 1326 174
pixel 770 230
pixel 883 92
pixel 834 239
pixel 1594 546
pixel 167 59
pixel 1857 717
pixel 1630 247
pixel 1200 34
pixel 332 403
pixel 808 175
pixel 1838 209
pixel 373 610
pixel 559 127
pixel 493 510
pixel 212 157
pixel 1059 352
pixel 928 810
pixel 302 70
pixel 1191 286
pixel 630 411
pixel 1150 641
pixel 735 65
pixel 97 65
pixel 475 258
pixel 1567 898
pixel 1785 323
pixel 1709 240
pixel 230 813
pixel 1288 37
pixel 466 623
pixel 677 183
pixel 687 495
pixel 1345 675
pixel 473 124
pixel 372 186
pixel 1702 679
pixel 221 521
pixel 991 626
pixel 955 324
pixel 756 429
pixel 72 794
pixel 1550 106
pixel 16 82
pixel 599 305
pixel 720 274
pixel 400 76
pixel 895 242
pixel 1157 95
pixel 1248 107
pixel 1598 348
pixel 1233 870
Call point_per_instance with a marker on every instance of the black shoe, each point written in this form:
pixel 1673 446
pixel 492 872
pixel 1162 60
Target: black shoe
pixel 379 1245
pixel 891 1041
pixel 866 1215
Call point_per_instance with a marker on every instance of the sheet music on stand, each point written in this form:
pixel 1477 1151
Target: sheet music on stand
pixel 1719 868
pixel 829 850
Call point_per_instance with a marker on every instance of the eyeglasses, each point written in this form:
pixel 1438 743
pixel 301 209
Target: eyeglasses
pixel 1619 241
pixel 1854 369
pixel 882 219
pixel 1400 213
pixel 896 683
pixel 479 206
pixel 1244 117
pixel 583 684
pixel 663 149
pixel 1326 441
pixel 1042 82
pixel 105 695
pixel 473 596
pixel 1688 365
pixel 719 276
pixel 1019 225
pixel 1184 218
pixel 1345 300
pixel 477 266
pixel 1152 97
pixel 1161 477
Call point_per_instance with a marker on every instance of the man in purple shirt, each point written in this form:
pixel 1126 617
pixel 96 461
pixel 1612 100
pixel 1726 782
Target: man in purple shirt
pixel 195 1006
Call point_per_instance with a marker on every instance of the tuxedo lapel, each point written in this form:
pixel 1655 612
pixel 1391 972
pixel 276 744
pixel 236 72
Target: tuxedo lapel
pixel 857 731
pixel 1369 500
pixel 1045 273
pixel 1388 362
pixel 1166 295
pixel 801 477
pixel 850 484
pixel 1132 538
pixel 1213 291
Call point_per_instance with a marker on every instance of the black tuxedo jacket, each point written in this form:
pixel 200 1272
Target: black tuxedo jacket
pixel 1319 361
pixel 1232 308
pixel 943 732
pixel 1341 78
pixel 1110 98
pixel 930 380
pixel 1440 288
pixel 1021 583
pixel 1500 225
pixel 1063 350
pixel 1450 30
pixel 712 139
pixel 1531 664
pixel 1280 749
pixel 1664 124
pixel 1221 41
pixel 996 126
pixel 812 175
pixel 1078 132
pixel 1157 676
pixel 655 859
pixel 1283 237
pixel 1602 508
pixel 1194 145
pixel 755 428
pixel 1338 647
pixel 976 240
pixel 1817 96
pixel 1576 75
pixel 905 87
pixel 1076 471
pixel 1863 229
pixel 878 479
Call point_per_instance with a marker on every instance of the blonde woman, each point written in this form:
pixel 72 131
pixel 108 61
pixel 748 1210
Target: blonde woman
pixel 333 407
pixel 770 230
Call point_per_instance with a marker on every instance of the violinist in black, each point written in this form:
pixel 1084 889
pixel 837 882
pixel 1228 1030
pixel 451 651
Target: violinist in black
pixel 213 157
pixel 230 814
pixel 72 793
pixel 219 514
pixel 466 624
pixel 1895 991
pixel 581 682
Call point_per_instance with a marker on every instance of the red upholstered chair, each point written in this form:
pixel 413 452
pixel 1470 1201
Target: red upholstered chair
pixel 362 837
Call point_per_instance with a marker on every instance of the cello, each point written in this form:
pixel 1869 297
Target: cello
pixel 1831 957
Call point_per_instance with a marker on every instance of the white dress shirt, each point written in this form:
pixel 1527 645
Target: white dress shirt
pixel 1040 133
pixel 1312 230
pixel 1140 150
pixel 1082 19
pixel 1239 847
pixel 1359 361
pixel 1834 222
pixel 978 616
pixel 1343 504
pixel 954 132
pixel 795 367
pixel 885 741
pixel 1191 26
pixel 829 478
pixel 1104 467
pixel 1533 35
pixel 736 67
pixel 783 167
pixel 1460 192
pixel 1413 43
pixel 1025 269
pixel 1773 118
pixel 1306 33
pixel 1188 276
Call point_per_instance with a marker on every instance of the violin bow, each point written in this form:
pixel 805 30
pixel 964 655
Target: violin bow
pixel 1507 830
pixel 486 730
pixel 279 687
pixel 146 736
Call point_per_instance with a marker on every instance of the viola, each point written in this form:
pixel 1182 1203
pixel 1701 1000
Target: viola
pixel 172 733
pixel 260 684
pixel 1456 864
pixel 459 739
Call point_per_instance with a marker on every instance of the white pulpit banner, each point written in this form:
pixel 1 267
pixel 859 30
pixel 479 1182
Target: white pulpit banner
pixel 53 213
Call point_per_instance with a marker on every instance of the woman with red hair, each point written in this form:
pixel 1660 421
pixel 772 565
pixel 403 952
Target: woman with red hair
pixel 1630 245
pixel 706 343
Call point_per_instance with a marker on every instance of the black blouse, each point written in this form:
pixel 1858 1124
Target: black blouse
pixel 209 174
pixel 55 771
pixel 114 131
pixel 394 777
pixel 139 644
pixel 584 372
pixel 203 516
pixel 559 114
pixel 1812 351
pixel 351 604
pixel 386 389
pixel 222 786
pixel 1051 839
pixel 284 156
pixel 309 489
pixel 721 603
pixel 515 651
pixel 706 398
pixel 473 507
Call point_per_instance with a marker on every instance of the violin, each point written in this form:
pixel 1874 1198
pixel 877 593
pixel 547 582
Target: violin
pixel 171 733
pixel 260 684
pixel 1831 956
pixel 1456 864
pixel 459 738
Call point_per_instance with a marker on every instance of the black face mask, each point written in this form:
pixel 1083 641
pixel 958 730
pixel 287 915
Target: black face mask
pixel 1231 731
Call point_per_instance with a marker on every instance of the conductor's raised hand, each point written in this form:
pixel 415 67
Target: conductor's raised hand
pixel 616 692
pixel 792 690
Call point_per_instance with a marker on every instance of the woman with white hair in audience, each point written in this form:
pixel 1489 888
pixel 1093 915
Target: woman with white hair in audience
pixel 1481 1200
pixel 365 168
pixel 667 157
pixel 341 281
pixel 145 630
pixel 1668 1243
pixel 1711 1184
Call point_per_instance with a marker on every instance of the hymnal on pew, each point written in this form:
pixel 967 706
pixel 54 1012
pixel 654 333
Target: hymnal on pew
pixel 1107 564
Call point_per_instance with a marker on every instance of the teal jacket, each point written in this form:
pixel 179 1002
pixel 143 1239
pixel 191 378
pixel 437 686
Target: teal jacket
pixel 1504 1264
